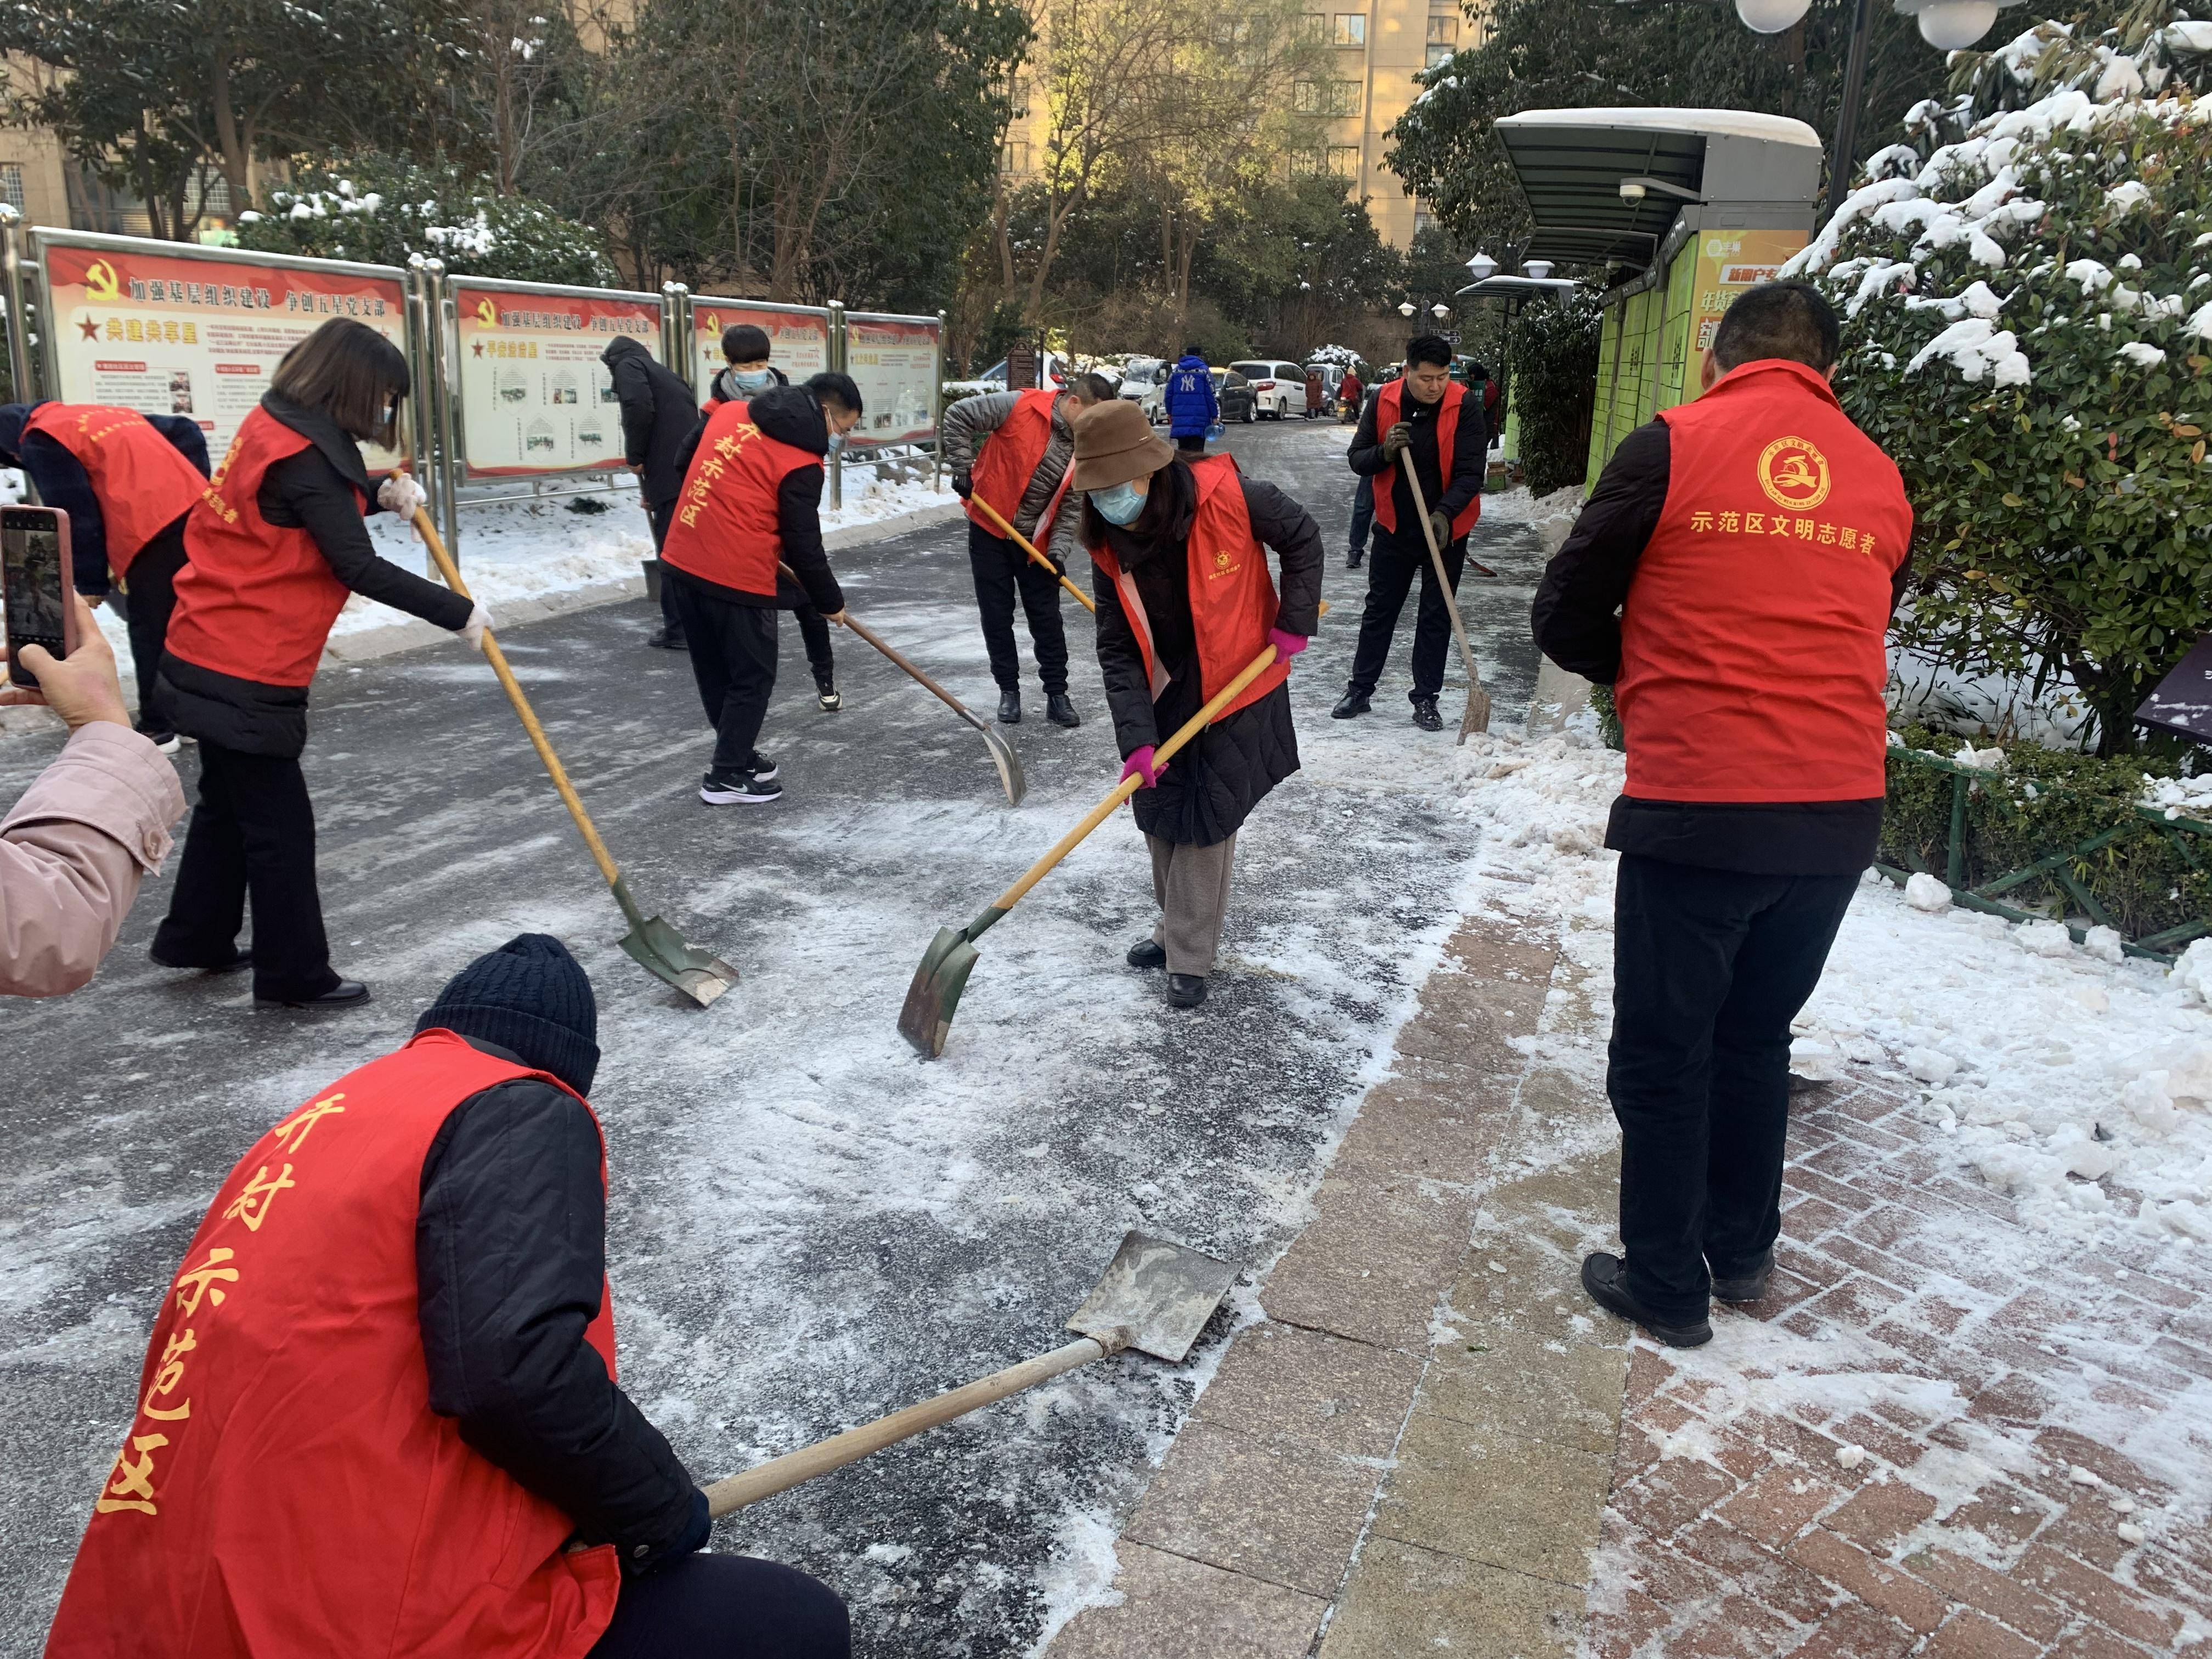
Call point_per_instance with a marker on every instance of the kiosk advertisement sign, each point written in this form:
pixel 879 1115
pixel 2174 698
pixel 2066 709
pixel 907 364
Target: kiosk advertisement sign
pixel 1728 261
pixel 534 396
pixel 798 341
pixel 893 361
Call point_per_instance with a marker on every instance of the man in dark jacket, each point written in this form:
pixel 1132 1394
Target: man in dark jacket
pixel 1732 578
pixel 658 414
pixel 751 504
pixel 1415 414
pixel 1191 401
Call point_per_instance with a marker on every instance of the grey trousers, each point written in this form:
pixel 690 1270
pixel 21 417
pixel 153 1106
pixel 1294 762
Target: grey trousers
pixel 1192 886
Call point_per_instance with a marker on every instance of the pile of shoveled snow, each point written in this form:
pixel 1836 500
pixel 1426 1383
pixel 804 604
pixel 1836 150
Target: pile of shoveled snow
pixel 2079 1084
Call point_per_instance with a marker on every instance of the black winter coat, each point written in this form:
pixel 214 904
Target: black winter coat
pixel 1470 460
pixel 1212 786
pixel 658 414
pixel 510 1263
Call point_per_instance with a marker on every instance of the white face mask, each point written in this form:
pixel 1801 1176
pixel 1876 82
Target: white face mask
pixel 752 380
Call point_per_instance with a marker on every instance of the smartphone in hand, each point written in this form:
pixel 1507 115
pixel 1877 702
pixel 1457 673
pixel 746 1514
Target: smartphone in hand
pixel 34 584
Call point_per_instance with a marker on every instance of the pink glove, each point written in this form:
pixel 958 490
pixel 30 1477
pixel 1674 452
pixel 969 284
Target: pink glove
pixel 1287 644
pixel 1139 765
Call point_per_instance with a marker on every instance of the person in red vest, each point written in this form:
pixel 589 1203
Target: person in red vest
pixel 378 1413
pixel 751 501
pixel 126 481
pixel 275 546
pixel 1184 605
pixel 1010 449
pixel 1428 414
pixel 1754 544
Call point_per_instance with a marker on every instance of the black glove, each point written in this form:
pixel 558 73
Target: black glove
pixel 1442 528
pixel 1398 438
pixel 963 485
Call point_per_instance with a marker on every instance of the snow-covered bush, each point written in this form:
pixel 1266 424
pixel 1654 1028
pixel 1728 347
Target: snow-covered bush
pixel 2028 289
pixel 381 208
pixel 1554 370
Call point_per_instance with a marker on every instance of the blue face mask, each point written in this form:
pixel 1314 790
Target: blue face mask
pixel 836 442
pixel 752 380
pixel 1118 504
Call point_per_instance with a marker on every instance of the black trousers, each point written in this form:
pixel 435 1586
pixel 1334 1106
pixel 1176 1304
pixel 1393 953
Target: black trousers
pixel 732 659
pixel 725 1607
pixel 253 833
pixel 146 607
pixel 814 629
pixel 1710 967
pixel 1363 521
pixel 1393 564
pixel 1001 571
pixel 658 519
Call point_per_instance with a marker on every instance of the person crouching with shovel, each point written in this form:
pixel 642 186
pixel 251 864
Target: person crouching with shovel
pixel 1186 603
pixel 378 1413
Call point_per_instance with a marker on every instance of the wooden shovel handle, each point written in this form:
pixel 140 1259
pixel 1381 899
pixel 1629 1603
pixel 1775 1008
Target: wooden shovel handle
pixel 446 569
pixel 1022 542
pixel 782 1474
pixel 877 640
pixel 1444 581
pixel 1129 786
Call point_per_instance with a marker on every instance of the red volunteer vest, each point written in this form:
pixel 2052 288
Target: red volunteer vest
pixel 1753 643
pixel 141 481
pixel 1009 461
pixel 256 601
pixel 1232 599
pixel 725 528
pixel 1387 402
pixel 285 1489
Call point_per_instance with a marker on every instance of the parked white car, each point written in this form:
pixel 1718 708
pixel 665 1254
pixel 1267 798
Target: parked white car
pixel 1141 375
pixel 1279 388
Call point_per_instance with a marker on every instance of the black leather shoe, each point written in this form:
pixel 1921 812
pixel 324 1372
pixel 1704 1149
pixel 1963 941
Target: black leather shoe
pixel 1605 1278
pixel 1350 706
pixel 1147 954
pixel 346 993
pixel 669 639
pixel 1186 990
pixel 1746 1286
pixel 1059 709
pixel 1425 715
pixel 1009 709
pixel 239 957
pixel 1351 561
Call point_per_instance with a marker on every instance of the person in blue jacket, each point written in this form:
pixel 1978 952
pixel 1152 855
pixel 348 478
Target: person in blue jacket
pixel 1192 406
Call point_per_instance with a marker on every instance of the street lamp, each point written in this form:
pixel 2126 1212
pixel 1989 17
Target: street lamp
pixel 1483 266
pixel 1407 308
pixel 1440 311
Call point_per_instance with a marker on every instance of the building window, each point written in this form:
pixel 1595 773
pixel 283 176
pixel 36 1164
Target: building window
pixel 1344 98
pixel 1306 97
pixel 1443 30
pixel 1440 55
pixel 1344 160
pixel 1015 158
pixel 1352 28
pixel 1018 100
pixel 1423 221
pixel 11 184
pixel 1309 162
pixel 1313 27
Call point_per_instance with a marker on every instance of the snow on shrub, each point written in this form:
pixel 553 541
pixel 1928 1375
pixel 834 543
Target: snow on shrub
pixel 380 209
pixel 2028 309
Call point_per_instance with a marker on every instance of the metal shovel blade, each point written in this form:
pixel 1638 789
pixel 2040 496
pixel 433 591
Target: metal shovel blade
pixel 662 951
pixel 1154 1296
pixel 934 996
pixel 1008 762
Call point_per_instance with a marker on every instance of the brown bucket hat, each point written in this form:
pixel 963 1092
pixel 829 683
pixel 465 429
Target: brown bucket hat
pixel 1114 444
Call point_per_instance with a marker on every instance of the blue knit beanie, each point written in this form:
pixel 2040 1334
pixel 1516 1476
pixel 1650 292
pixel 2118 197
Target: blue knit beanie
pixel 532 998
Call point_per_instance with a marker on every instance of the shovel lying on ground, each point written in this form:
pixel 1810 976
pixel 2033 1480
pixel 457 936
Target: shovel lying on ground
pixel 651 943
pixel 1002 753
pixel 934 996
pixel 1476 716
pixel 1154 1297
pixel 1024 543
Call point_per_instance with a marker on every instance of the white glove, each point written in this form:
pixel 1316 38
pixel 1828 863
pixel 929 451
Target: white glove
pixel 400 494
pixel 472 631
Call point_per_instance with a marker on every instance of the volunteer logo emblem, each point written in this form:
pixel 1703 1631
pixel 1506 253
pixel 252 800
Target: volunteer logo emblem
pixel 1221 559
pixel 1794 474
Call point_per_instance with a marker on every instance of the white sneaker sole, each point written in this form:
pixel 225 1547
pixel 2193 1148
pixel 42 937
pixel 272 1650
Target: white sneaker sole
pixel 733 798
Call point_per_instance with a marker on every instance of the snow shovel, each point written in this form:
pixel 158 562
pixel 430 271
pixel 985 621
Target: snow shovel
pixel 651 943
pixel 1002 753
pixel 1155 1296
pixel 934 996
pixel 1476 717
pixel 1022 542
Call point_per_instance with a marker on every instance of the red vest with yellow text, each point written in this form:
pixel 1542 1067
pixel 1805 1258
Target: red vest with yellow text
pixel 141 480
pixel 285 1491
pixel 1753 643
pixel 1009 461
pixel 1232 599
pixel 256 601
pixel 727 529
pixel 1387 402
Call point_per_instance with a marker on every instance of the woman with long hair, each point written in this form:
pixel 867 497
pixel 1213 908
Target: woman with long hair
pixel 1185 603
pixel 275 546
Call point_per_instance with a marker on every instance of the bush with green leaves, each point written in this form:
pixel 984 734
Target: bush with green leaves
pixel 1554 387
pixel 381 209
pixel 2028 305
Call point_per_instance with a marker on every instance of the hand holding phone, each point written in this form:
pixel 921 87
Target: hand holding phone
pixel 81 687
pixel 35 585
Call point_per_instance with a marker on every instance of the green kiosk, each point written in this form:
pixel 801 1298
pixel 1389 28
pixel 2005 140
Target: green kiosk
pixel 1687 208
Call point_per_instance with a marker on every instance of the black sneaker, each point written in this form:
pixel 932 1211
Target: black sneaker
pixel 1352 560
pixel 1009 709
pixel 161 738
pixel 1746 1286
pixel 668 639
pixel 1059 709
pixel 1605 1278
pixel 763 768
pixel 1350 706
pixel 239 957
pixel 738 789
pixel 826 698
pixel 1425 715
pixel 1145 953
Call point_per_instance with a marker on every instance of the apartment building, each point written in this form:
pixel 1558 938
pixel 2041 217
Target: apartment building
pixel 48 186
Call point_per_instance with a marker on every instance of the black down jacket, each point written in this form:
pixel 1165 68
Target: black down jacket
pixel 1210 787
pixel 658 414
